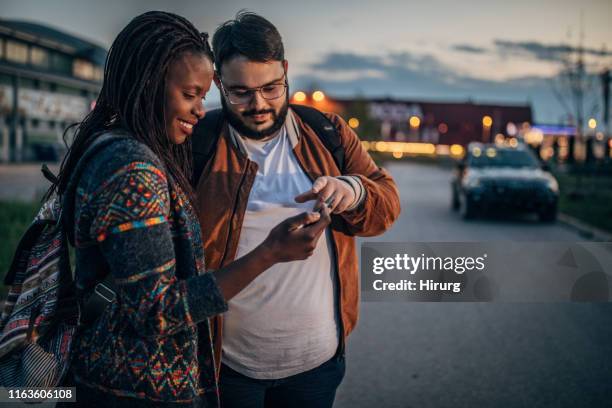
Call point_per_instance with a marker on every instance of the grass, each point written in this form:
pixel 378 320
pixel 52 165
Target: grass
pixel 15 217
pixel 587 197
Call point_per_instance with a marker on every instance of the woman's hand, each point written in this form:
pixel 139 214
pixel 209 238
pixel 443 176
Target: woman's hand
pixel 296 237
pixel 292 240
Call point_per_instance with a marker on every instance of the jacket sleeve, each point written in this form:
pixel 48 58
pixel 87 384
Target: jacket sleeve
pixel 381 205
pixel 130 225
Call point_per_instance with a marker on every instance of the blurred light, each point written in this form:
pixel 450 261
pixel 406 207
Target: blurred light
pixel 513 142
pixel 397 155
pixel 443 150
pixel 592 123
pixel 599 136
pixel 526 125
pixel 547 153
pixel 365 144
pixel 442 128
pixel 354 123
pixel 299 96
pixel 415 121
pixel 381 146
pixel 491 152
pixel 92 105
pixel 476 151
pixel 406 147
pixel 456 150
pixel 534 136
pixel 318 96
pixel 499 138
pixel 562 141
pixel 487 121
pixel 417 148
pixel 511 129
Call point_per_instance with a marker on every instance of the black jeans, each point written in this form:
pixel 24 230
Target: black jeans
pixel 315 388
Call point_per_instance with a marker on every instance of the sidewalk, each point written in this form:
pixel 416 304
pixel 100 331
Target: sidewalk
pixel 584 229
pixel 23 182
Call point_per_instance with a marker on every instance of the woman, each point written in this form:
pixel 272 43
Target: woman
pixel 133 219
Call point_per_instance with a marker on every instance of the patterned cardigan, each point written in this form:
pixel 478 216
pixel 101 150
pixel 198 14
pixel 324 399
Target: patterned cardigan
pixel 154 341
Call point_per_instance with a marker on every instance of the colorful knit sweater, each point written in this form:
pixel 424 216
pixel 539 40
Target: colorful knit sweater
pixel 153 342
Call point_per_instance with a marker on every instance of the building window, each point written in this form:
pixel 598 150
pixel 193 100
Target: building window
pixel 61 63
pixel 1 48
pixel 39 57
pixel 98 73
pixel 16 52
pixel 83 69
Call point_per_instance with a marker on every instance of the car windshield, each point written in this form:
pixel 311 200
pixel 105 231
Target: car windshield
pixel 492 157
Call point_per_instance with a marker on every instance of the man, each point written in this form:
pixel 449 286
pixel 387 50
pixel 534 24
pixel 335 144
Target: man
pixel 283 337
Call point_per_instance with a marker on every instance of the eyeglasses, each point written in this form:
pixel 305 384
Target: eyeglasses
pixel 244 96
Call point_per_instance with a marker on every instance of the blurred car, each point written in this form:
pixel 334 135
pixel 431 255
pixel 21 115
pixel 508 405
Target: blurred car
pixel 493 177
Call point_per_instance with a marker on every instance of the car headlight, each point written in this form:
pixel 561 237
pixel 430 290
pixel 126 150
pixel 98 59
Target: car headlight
pixel 552 185
pixel 473 183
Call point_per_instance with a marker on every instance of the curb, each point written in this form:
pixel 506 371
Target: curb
pixel 584 229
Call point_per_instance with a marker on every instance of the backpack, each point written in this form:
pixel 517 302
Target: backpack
pixel 42 311
pixel 207 131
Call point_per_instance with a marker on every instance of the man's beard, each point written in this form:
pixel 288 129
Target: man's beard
pixel 237 122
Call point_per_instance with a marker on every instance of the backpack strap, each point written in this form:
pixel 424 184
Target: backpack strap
pixel 325 129
pixel 207 131
pixel 204 141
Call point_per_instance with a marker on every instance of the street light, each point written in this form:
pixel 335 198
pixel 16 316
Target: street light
pixel 318 96
pixel 592 123
pixel 415 121
pixel 487 121
pixel 354 123
pixel 299 96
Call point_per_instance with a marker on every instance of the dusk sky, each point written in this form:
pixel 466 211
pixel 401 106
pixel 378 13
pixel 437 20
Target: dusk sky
pixel 439 50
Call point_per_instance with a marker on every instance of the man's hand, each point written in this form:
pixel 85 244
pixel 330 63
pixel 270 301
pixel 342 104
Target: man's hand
pixel 335 194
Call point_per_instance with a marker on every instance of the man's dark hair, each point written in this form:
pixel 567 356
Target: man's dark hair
pixel 133 92
pixel 249 35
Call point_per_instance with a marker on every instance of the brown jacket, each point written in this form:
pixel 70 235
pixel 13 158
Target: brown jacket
pixel 223 192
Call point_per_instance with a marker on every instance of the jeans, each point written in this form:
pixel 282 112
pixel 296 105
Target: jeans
pixel 315 388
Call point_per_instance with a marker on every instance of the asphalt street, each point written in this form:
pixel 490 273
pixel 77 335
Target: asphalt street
pixel 456 354
pixel 474 354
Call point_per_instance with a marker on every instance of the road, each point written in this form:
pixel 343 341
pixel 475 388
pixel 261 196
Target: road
pixel 474 354
pixel 455 354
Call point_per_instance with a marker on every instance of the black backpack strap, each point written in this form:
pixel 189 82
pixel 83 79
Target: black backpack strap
pixel 204 141
pixel 325 129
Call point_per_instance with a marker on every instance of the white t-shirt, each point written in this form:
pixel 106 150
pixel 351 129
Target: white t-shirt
pixel 284 322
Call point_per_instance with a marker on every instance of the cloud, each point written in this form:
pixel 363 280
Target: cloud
pixel 415 69
pixel 541 51
pixel 342 61
pixel 469 49
pixel 423 77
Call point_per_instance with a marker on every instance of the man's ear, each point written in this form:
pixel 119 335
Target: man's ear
pixel 285 65
pixel 217 80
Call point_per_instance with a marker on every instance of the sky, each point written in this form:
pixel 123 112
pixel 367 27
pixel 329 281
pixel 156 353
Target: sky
pixel 490 51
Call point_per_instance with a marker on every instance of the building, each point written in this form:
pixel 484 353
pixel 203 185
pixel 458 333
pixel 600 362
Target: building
pixel 421 121
pixel 48 80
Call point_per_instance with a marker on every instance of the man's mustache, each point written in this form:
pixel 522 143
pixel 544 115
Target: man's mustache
pixel 256 112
